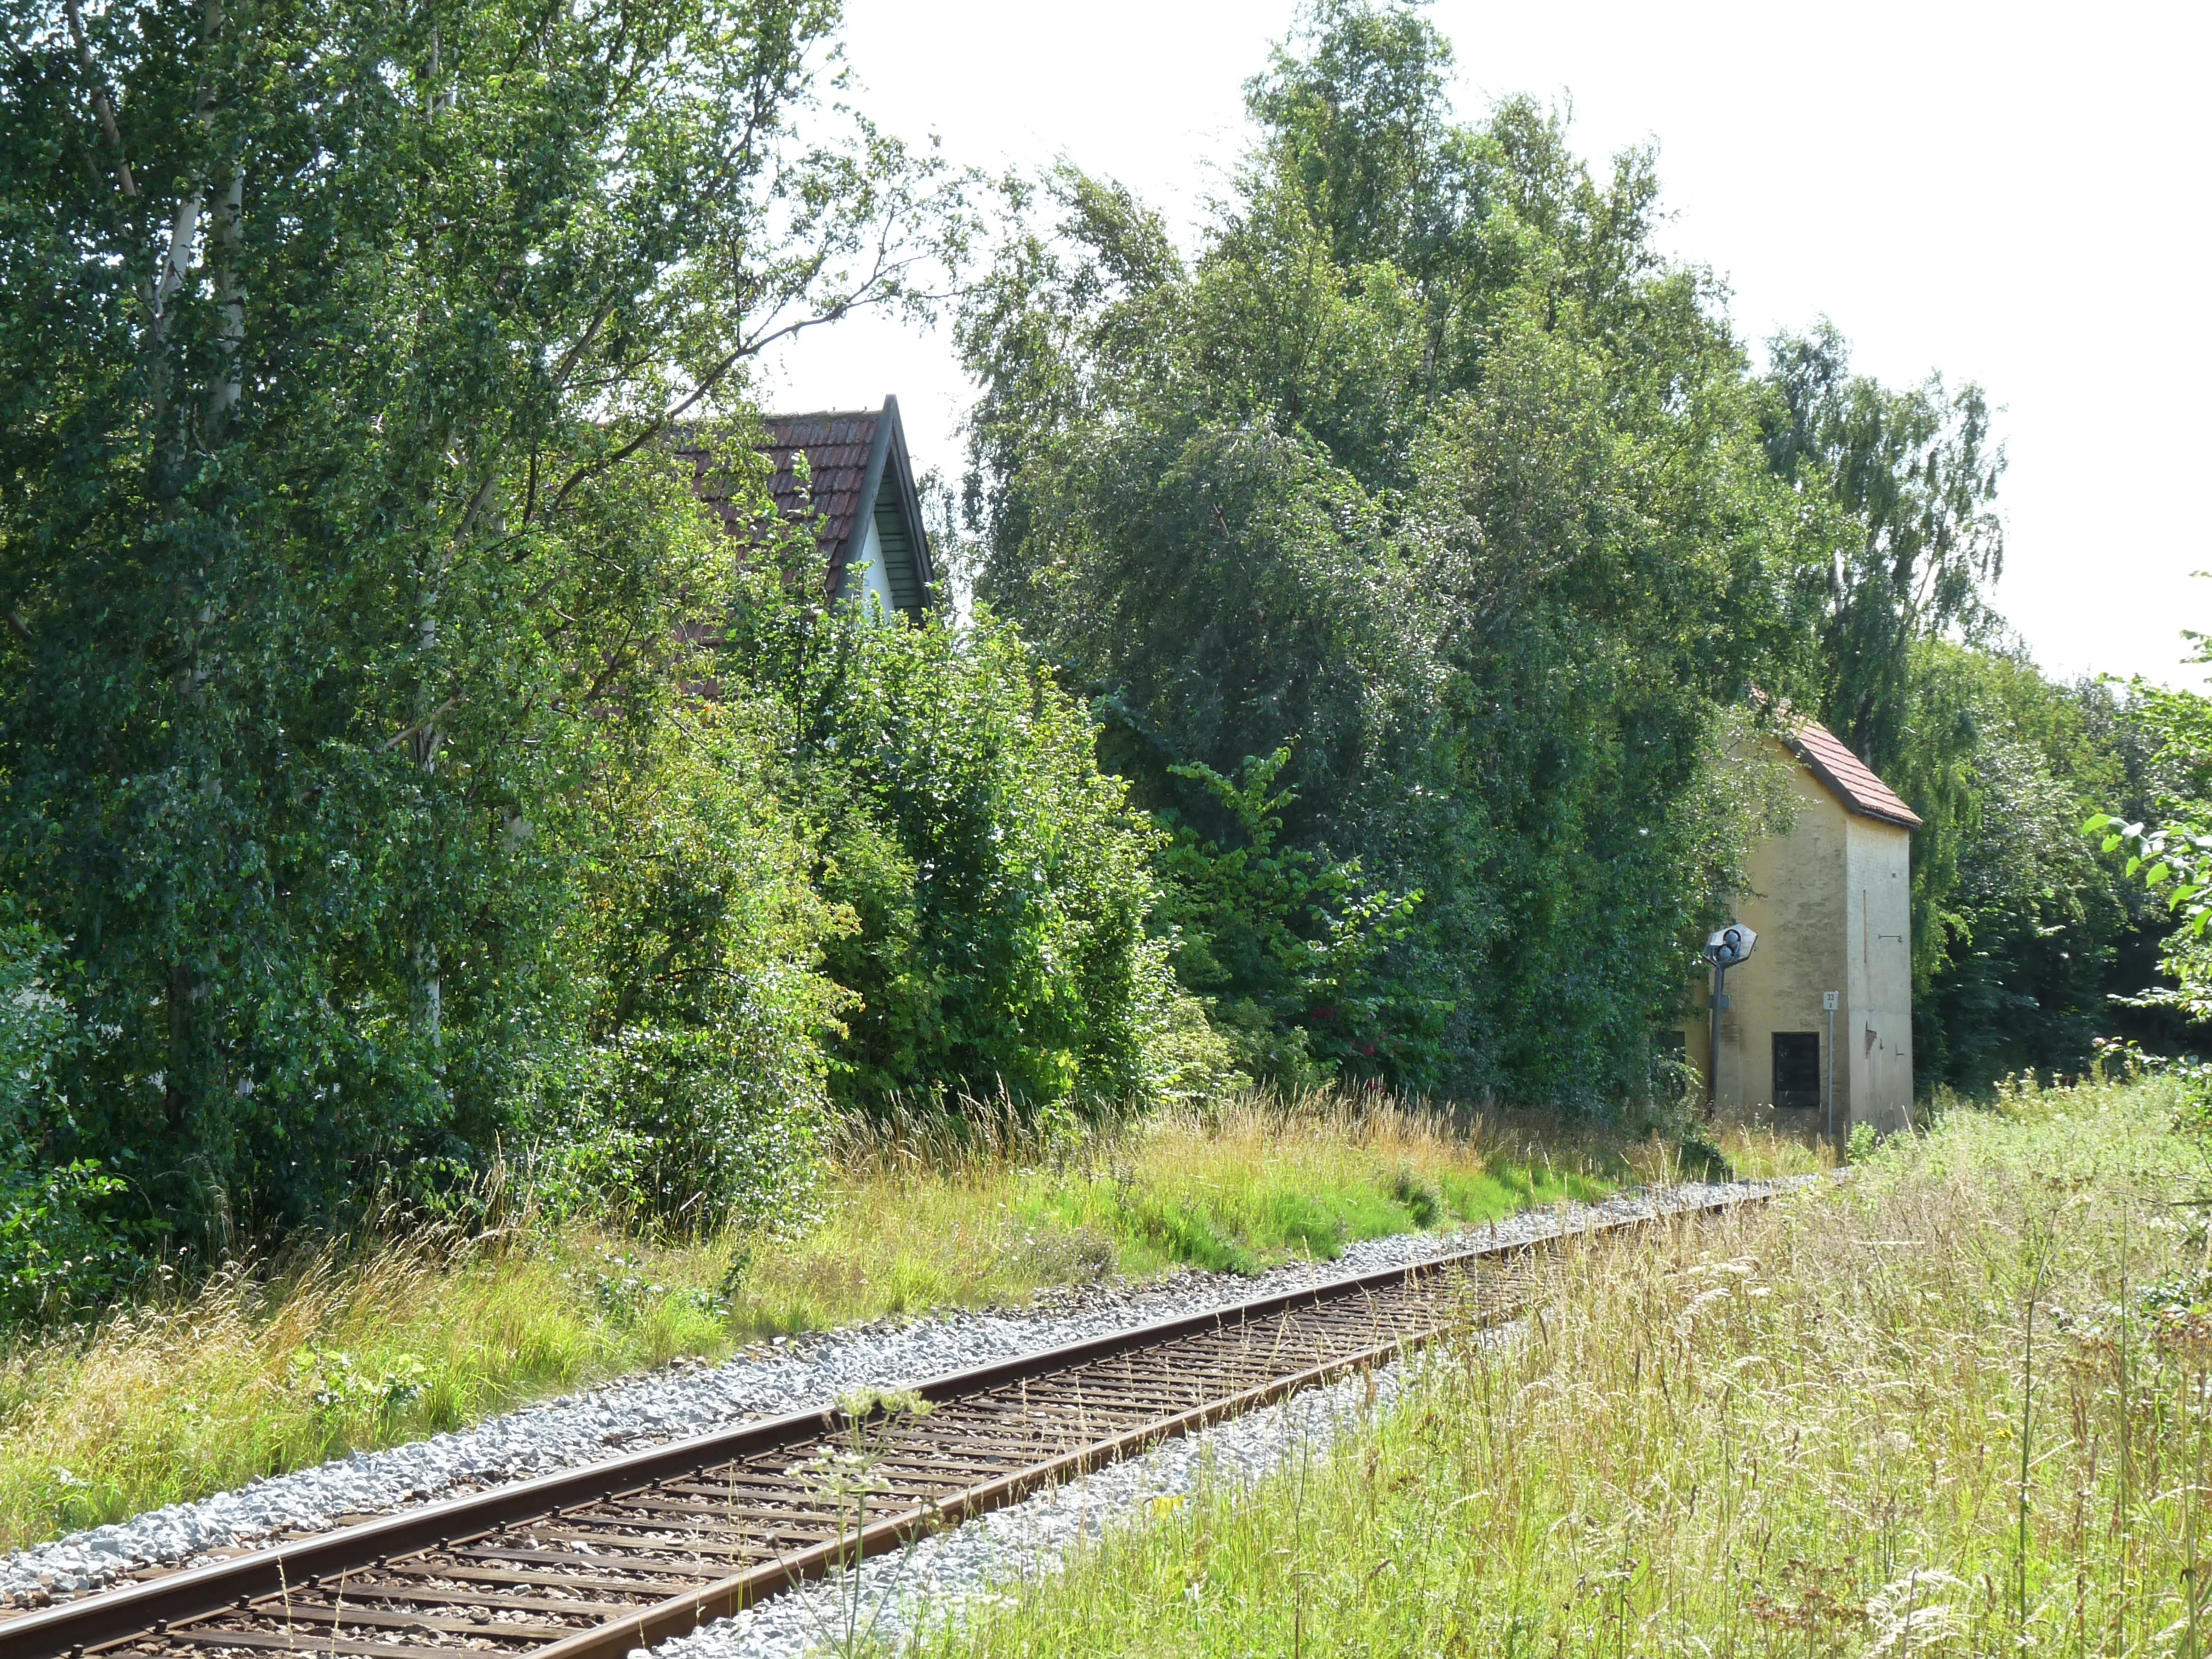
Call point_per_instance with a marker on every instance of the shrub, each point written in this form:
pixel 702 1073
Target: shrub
pixel 59 1247
pixel 1286 943
pixel 58 1252
pixel 694 1085
pixel 1001 883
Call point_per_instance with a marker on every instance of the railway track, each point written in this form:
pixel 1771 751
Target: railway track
pixel 590 1563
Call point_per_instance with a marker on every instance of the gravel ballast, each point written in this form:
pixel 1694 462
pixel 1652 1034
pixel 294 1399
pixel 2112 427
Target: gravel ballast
pixel 688 1400
pixel 942 1577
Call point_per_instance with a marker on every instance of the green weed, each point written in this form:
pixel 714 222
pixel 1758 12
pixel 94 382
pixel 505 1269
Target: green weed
pixel 1803 1430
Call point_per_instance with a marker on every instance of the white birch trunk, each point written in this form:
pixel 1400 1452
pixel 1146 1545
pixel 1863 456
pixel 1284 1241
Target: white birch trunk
pixel 230 300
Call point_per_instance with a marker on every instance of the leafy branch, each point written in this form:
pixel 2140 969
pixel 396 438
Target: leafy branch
pixel 2177 856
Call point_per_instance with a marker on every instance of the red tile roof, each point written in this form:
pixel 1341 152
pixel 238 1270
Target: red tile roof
pixel 838 445
pixel 1851 779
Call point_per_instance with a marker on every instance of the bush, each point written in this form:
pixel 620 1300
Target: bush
pixel 58 1254
pixel 60 1248
pixel 999 882
pixel 1286 943
pixel 694 1085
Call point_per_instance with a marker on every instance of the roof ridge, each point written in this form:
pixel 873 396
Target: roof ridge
pixel 823 415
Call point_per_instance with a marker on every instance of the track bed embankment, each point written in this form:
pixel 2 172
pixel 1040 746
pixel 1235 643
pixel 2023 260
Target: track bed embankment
pixel 589 1563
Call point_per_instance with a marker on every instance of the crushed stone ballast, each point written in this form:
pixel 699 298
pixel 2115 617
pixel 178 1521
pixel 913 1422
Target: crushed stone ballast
pixel 889 1600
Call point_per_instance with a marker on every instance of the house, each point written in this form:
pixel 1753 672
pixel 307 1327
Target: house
pixel 857 484
pixel 1824 1001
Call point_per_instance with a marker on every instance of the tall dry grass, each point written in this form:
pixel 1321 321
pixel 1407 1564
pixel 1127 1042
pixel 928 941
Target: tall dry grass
pixel 991 1208
pixel 276 1365
pixel 1960 1404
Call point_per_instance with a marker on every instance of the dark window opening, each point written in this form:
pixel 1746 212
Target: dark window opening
pixel 1797 1069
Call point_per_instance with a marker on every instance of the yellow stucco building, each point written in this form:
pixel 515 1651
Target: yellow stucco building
pixel 1832 903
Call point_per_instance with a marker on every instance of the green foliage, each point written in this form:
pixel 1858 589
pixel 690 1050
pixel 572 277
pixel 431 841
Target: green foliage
pixel 1361 125
pixel 1901 484
pixel 998 881
pixel 342 547
pixel 1284 944
pixel 2176 730
pixel 59 1254
pixel 1431 470
pixel 2169 861
pixel 694 1091
pixel 2016 924
pixel 39 1034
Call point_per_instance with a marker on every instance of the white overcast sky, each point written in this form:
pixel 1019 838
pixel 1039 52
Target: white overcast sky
pixel 2010 194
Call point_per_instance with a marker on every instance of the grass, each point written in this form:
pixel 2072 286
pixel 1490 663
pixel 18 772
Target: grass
pixel 918 1219
pixel 256 1373
pixel 1960 1404
pixel 277 1365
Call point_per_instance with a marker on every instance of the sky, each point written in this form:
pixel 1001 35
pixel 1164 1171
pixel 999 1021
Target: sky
pixel 2011 194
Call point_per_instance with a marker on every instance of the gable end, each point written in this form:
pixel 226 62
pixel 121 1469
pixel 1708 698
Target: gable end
pixel 894 507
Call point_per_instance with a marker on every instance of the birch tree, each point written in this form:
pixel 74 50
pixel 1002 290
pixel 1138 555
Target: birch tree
pixel 340 538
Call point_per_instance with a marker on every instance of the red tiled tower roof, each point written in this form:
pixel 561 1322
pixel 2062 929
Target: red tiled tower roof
pixel 1851 779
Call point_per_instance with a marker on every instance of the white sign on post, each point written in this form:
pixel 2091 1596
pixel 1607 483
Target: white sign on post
pixel 1828 1001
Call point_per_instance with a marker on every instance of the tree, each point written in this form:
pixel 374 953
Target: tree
pixel 998 882
pixel 2017 923
pixel 1360 127
pixel 1905 481
pixel 2162 827
pixel 1429 470
pixel 341 543
pixel 1279 942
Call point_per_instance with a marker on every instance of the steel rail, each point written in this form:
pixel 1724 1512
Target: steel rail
pixel 592 1562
